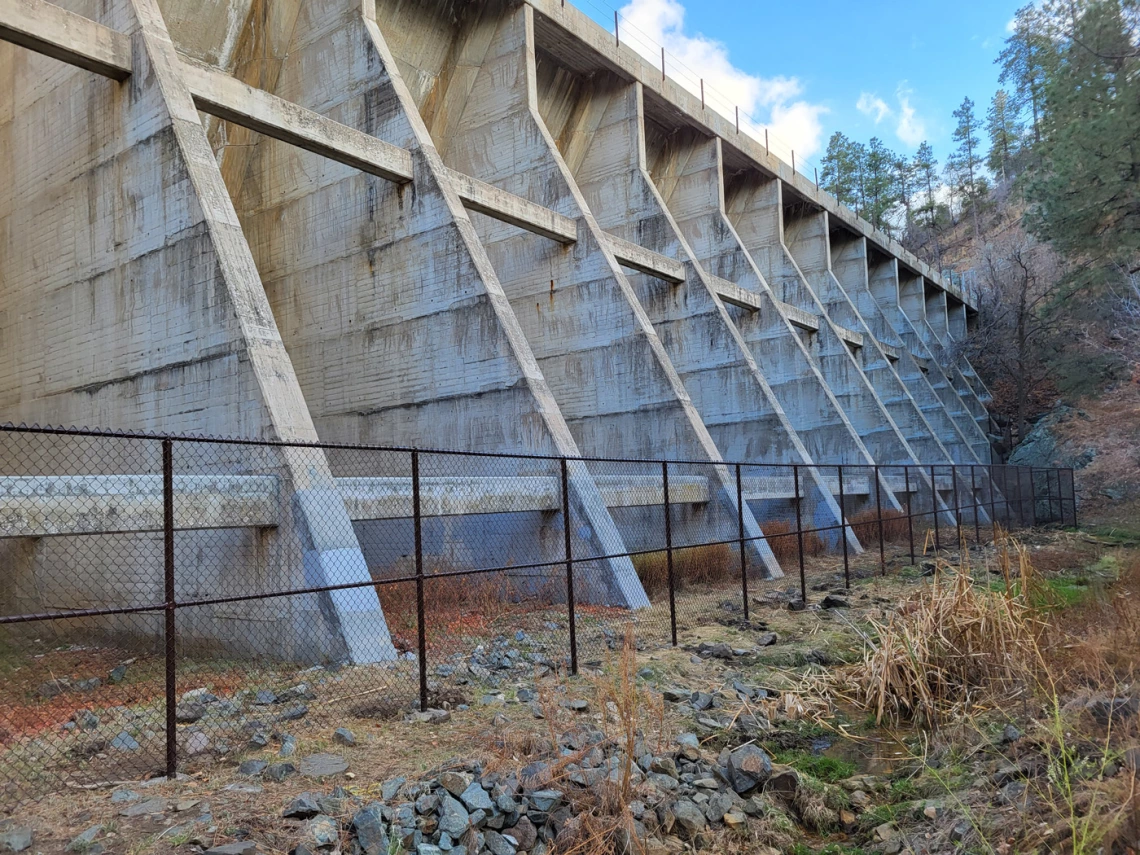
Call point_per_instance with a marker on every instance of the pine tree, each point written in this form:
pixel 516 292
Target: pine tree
pixel 1004 131
pixel 858 154
pixel 878 183
pixel 926 174
pixel 966 160
pixel 839 170
pixel 1085 188
pixel 1024 64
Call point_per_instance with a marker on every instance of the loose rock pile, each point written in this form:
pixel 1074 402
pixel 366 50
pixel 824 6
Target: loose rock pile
pixel 680 796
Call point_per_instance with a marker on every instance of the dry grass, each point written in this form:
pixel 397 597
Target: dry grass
pixel 692 567
pixel 952 645
pixel 781 537
pixel 1101 642
pixel 866 526
pixel 458 606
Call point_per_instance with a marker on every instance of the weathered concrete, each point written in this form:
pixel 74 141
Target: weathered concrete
pixel 883 284
pixel 480 226
pixel 610 373
pixel 227 98
pixel 925 305
pixel 808 237
pixel 431 280
pixel 756 209
pixel 850 265
pixel 169 299
pixel 601 123
pixel 56 32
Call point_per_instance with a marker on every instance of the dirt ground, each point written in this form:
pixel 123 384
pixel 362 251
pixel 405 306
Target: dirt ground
pixel 212 802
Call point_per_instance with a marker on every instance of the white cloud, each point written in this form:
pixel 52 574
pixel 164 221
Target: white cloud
pixel 911 129
pixel 909 126
pixel 774 102
pixel 873 106
pixel 1011 26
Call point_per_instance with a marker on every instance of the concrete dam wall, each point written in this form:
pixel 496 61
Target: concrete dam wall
pixel 479 226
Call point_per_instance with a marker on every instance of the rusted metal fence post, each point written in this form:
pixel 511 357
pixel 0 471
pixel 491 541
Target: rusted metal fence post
pixel 909 512
pixel 843 532
pixel 570 607
pixel 1032 497
pixel 800 534
pixel 993 500
pixel 957 502
pixel 740 539
pixel 1073 495
pixel 169 600
pixel 669 552
pixel 417 519
pixel 934 508
pixel 879 513
pixel 975 504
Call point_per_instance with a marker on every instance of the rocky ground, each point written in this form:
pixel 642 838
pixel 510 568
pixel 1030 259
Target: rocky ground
pixel 741 739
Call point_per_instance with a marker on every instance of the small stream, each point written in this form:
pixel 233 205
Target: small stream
pixel 877 754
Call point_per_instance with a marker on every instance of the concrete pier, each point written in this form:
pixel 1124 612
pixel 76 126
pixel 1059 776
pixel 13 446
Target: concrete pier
pixel 486 227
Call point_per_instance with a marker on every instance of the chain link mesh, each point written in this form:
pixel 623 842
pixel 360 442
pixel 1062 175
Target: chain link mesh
pixel 173 602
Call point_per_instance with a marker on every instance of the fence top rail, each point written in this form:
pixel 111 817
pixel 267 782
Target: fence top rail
pixel 208 439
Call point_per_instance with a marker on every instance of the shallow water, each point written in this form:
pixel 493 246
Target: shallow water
pixel 878 753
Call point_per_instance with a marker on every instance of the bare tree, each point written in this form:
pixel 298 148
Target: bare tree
pixel 1018 326
pixel 1121 337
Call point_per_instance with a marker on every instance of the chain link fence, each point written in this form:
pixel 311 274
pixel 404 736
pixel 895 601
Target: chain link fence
pixel 167 601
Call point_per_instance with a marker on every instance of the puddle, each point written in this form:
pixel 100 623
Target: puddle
pixel 878 754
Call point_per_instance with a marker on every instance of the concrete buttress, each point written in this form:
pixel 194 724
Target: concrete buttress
pixel 601 129
pixel 163 279
pixel 593 340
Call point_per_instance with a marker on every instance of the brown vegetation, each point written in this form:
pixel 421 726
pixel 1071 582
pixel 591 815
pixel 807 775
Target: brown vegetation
pixel 865 524
pixel 951 645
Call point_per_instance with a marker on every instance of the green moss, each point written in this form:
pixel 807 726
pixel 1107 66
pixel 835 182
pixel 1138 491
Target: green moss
pixel 873 817
pixel 1056 592
pixel 903 790
pixel 1121 535
pixel 828 769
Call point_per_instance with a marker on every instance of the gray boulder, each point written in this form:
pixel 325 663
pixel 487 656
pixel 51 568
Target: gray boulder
pixel 748 768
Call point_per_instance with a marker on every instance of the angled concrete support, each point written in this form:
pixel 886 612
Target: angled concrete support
pixel 161 280
pixel 605 363
pixel 850 265
pixel 807 235
pixel 603 138
pixel 925 305
pixel 756 208
pixel 56 32
pixel 409 339
pixel 884 281
pixel 331 553
pixel 687 173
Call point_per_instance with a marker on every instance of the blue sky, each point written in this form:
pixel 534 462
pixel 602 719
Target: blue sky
pixel 891 69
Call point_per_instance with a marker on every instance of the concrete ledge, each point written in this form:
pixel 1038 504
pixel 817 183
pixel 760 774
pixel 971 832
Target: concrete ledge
pixel 892 352
pixel 228 98
pixel 798 317
pixel 391 498
pixel 45 506
pixel 42 506
pixel 734 295
pixel 508 208
pixel 644 261
pixel 63 35
pixel 850 336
